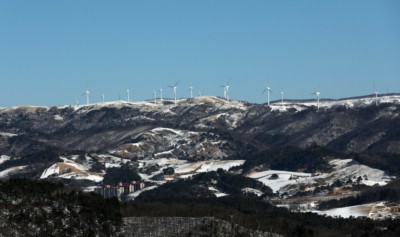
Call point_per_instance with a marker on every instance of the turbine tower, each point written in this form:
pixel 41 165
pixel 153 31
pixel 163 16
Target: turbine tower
pixel 128 94
pixel 161 99
pixel 376 97
pixel 102 97
pixel 87 93
pixel 268 90
pixel 174 89
pixel 155 96
pixel 282 97
pixel 191 91
pixel 317 93
pixel 226 90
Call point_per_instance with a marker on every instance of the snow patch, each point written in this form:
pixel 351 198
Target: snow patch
pixel 58 117
pixel 4 158
pixel 216 192
pixel 252 190
pixel 7 172
pixel 346 212
pixel 283 179
pixel 135 194
pixel 8 135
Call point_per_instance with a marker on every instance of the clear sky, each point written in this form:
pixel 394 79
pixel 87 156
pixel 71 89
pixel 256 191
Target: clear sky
pixel 52 51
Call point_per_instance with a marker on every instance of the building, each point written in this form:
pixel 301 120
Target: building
pixel 109 191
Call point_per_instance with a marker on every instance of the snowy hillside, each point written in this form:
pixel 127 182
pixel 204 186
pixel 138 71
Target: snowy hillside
pixel 344 170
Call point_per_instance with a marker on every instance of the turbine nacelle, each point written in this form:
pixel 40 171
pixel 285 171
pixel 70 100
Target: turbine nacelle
pixel 268 90
pixel 317 93
pixel 87 94
pixel 174 89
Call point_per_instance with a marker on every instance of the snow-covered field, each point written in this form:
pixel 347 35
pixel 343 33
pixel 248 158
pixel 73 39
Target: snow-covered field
pixel 283 179
pixel 344 170
pixel 349 169
pixel 375 210
pixel 185 169
pixel 346 212
pixel 207 166
pixel 69 169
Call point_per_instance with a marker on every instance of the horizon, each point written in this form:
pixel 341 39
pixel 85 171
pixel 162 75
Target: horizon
pixel 52 52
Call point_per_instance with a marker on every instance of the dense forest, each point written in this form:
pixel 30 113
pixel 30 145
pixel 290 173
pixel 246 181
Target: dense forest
pixel 292 159
pixel 42 208
pixel 259 215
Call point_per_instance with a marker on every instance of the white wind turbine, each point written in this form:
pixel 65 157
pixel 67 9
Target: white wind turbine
pixel 155 96
pixel 268 90
pixel 317 93
pixel 191 91
pixel 87 93
pixel 226 90
pixel 128 93
pixel 282 96
pixel 376 93
pixel 376 98
pixel 102 97
pixel 174 89
pixel 161 98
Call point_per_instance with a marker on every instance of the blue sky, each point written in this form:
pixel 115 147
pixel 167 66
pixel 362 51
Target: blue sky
pixel 51 51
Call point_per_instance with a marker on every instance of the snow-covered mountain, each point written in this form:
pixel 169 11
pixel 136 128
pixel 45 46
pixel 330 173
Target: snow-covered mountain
pixel 204 134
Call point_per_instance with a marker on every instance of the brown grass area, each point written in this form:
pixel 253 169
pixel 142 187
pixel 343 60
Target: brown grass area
pixel 63 167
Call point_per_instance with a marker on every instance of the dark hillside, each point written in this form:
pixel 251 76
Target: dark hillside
pixel 41 208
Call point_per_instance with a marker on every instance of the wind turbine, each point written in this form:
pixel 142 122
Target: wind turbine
pixel 268 90
pixel 226 90
pixel 174 89
pixel 376 97
pixel 282 96
pixel 87 93
pixel 102 97
pixel 191 91
pixel 128 94
pixel 155 96
pixel 317 93
pixel 161 90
